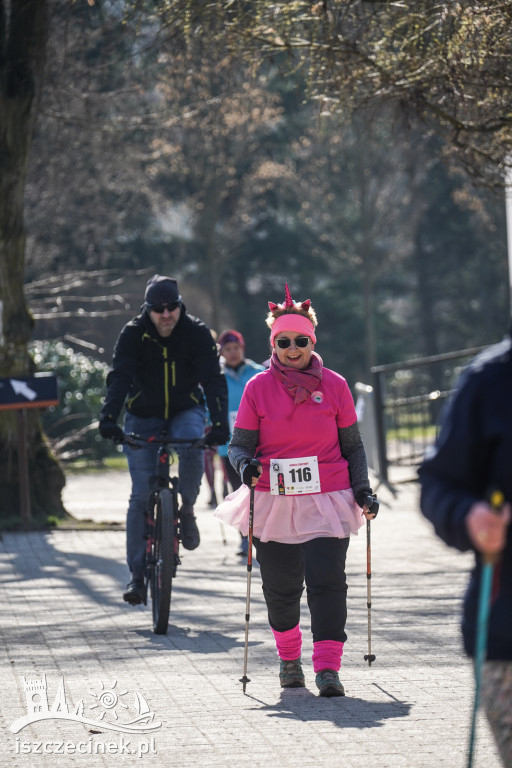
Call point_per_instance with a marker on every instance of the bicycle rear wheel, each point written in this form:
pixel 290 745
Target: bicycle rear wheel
pixel 162 572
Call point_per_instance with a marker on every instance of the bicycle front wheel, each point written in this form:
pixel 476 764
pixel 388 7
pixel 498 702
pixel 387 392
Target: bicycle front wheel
pixel 162 573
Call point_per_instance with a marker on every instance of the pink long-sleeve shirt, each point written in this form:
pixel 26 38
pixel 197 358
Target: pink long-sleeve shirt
pixel 290 431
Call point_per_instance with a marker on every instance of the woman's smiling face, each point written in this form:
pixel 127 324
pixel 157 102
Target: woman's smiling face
pixel 294 356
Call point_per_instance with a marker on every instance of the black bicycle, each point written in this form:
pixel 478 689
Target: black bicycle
pixel 163 527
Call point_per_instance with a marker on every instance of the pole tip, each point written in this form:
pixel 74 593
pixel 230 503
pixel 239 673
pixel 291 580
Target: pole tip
pixel 369 657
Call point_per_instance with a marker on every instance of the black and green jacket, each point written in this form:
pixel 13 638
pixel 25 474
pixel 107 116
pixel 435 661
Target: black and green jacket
pixel 157 377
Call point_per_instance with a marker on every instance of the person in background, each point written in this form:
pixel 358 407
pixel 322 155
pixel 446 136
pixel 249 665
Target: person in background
pixel 238 370
pixel 472 458
pixel 297 441
pixel 165 365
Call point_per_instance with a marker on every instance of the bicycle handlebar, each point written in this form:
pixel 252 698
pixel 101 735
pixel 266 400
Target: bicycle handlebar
pixel 135 441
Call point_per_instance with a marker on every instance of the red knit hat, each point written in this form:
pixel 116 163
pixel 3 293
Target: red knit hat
pixel 231 336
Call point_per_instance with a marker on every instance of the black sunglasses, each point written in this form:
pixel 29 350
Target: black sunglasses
pixel 160 308
pixel 300 341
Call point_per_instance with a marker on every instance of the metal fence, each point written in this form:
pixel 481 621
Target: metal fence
pixel 399 414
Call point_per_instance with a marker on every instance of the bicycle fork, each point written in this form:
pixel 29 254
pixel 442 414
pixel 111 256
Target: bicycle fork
pixel 149 534
pixel 177 524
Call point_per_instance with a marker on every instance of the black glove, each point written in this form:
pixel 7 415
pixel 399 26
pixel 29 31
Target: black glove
pixel 370 500
pixel 217 435
pixel 250 468
pixel 110 431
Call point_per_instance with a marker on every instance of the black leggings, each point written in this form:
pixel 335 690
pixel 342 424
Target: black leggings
pixel 321 564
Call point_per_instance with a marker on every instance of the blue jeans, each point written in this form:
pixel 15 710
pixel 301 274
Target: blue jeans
pixel 187 424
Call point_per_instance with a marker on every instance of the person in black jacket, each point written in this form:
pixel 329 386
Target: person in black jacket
pixel 471 460
pixel 165 365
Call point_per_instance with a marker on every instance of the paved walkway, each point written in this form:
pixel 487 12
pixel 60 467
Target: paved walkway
pixel 84 664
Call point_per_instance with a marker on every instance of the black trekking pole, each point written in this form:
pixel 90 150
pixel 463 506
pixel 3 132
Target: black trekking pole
pixel 369 657
pixel 244 680
pixel 374 506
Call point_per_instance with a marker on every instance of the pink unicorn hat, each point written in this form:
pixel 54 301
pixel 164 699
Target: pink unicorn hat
pixel 289 302
pixel 291 320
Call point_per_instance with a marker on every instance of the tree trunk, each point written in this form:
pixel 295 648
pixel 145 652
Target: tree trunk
pixel 206 228
pixel 23 36
pixel 368 271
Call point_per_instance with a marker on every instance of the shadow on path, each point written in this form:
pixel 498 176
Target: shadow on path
pixel 344 712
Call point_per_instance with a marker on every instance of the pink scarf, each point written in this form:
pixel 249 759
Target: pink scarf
pixel 299 384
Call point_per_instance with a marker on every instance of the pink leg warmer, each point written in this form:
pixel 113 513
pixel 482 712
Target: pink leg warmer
pixel 288 643
pixel 327 655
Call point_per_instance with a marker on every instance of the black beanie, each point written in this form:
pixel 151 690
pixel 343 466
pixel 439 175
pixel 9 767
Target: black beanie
pixel 161 290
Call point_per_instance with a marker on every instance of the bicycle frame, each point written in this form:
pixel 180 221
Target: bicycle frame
pixel 160 481
pixel 162 527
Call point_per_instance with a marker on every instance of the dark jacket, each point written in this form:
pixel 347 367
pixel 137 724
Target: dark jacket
pixel 472 458
pixel 159 377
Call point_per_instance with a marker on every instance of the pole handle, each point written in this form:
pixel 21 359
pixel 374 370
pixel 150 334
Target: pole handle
pixel 496 501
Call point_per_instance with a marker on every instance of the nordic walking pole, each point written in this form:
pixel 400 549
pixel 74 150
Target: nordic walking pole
pixel 369 657
pixel 374 506
pixel 484 601
pixel 244 680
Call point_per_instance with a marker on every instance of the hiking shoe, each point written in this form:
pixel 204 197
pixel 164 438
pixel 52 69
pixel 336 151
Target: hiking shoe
pixel 189 529
pixel 328 683
pixel 291 674
pixel 135 592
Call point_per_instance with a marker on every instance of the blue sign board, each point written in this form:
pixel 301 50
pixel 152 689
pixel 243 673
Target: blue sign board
pixel 37 391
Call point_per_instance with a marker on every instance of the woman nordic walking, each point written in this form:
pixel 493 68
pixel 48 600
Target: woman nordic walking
pixel 296 439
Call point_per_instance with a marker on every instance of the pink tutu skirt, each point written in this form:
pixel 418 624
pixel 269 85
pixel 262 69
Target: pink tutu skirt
pixel 292 519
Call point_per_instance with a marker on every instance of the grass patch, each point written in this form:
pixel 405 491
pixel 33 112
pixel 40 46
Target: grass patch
pixel 72 524
pixel 38 522
pixel 109 462
pixel 412 433
pixel 65 524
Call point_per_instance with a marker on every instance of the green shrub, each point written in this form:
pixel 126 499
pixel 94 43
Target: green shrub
pixel 72 426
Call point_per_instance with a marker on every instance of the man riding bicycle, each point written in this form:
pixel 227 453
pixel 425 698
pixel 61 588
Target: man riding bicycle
pixel 165 365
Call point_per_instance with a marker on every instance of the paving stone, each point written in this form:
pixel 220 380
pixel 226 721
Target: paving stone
pixel 64 624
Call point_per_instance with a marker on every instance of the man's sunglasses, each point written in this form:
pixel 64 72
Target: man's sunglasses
pixel 160 308
pixel 300 341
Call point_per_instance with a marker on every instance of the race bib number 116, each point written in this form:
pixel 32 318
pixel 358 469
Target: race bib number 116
pixel 291 477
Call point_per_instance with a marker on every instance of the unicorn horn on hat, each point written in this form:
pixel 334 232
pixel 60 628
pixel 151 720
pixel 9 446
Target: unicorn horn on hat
pixel 289 303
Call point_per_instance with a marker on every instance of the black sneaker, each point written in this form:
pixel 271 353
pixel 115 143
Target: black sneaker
pixel 328 683
pixel 291 674
pixel 189 530
pixel 135 593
